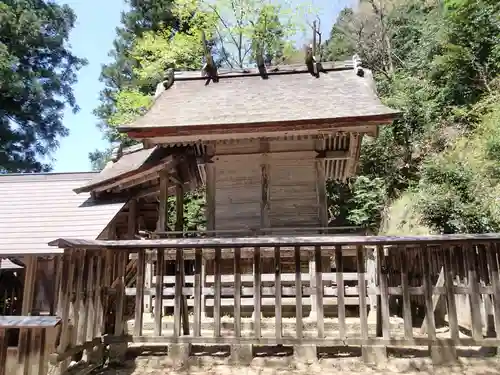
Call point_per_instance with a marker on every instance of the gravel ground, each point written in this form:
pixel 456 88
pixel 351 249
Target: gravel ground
pixel 282 366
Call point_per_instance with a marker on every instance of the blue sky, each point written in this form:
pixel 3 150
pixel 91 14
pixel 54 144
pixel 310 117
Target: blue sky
pixel 92 38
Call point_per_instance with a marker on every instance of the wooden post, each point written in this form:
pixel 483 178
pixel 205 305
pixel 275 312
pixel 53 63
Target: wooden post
pixel 67 292
pixel 31 263
pixel 161 226
pixel 312 283
pixel 298 293
pixel 117 351
pixel 264 171
pixel 179 226
pixel 210 218
pixel 139 296
pixel 321 192
pixel 340 294
pixel 4 345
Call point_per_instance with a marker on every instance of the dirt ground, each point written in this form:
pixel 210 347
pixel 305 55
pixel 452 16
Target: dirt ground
pixel 281 366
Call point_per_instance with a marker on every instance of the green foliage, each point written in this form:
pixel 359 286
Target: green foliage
pixel 245 24
pixel 194 214
pixel 442 152
pixel 340 46
pixel 37 71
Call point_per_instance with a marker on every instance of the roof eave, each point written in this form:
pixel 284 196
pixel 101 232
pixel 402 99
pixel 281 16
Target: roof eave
pixel 117 179
pixel 312 124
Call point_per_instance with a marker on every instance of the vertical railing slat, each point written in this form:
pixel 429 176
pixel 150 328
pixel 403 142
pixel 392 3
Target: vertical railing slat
pixel 384 291
pixel 217 293
pixel 178 291
pixel 298 293
pixel 237 292
pixel 475 297
pixel 158 310
pixel 257 291
pixel 4 345
pixel 340 288
pixel 450 295
pixel 405 285
pixel 319 292
pixel 198 258
pixel 139 296
pixel 363 315
pixel 67 291
pixel 277 284
pixel 428 292
pixel 491 256
pixel 88 318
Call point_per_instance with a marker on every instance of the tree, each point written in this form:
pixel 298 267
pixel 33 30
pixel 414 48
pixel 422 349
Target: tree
pixel 245 24
pixel 143 16
pixel 37 71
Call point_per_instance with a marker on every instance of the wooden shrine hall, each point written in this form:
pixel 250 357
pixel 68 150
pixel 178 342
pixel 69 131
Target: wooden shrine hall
pixel 120 267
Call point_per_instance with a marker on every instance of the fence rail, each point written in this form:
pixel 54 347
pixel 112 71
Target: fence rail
pixel 427 282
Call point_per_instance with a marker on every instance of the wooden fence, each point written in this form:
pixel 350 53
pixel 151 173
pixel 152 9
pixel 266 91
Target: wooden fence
pixel 31 356
pixel 467 283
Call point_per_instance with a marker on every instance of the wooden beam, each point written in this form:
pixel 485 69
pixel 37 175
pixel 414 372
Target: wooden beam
pixel 334 155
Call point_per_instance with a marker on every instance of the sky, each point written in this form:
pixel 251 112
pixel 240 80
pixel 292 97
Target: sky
pixel 92 38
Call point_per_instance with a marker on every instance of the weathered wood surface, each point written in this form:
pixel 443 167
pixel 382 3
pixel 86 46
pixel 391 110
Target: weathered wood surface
pixel 28 321
pixel 271 241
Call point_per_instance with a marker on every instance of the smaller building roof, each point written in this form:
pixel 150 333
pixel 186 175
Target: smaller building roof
pixel 291 95
pixel 7 264
pixel 35 208
pixel 132 160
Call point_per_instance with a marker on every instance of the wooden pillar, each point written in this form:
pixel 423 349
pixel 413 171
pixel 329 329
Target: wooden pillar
pixel 161 226
pixel 371 275
pixel 323 220
pixel 264 201
pixel 210 217
pixel 179 208
pixel 321 191
pixel 29 291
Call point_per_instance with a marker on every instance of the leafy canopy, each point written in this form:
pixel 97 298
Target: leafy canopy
pixel 37 71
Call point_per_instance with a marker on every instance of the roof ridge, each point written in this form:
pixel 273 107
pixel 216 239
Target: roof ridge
pixel 271 70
